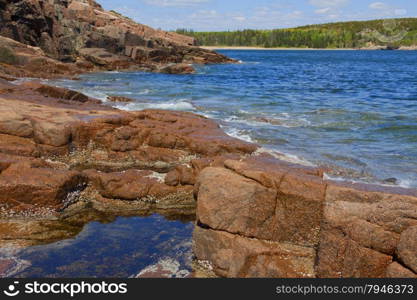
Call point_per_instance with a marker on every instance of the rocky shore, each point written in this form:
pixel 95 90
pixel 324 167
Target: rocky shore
pixel 66 160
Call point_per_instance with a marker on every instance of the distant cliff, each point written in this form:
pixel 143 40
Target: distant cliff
pixel 81 32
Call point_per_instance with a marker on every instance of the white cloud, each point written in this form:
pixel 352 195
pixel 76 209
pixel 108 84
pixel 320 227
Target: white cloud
pixel 329 3
pixel 378 6
pixel 329 9
pixel 175 3
pixel 323 11
pixel 385 10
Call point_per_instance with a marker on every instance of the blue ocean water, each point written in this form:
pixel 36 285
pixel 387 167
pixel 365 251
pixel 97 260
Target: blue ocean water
pixel 352 111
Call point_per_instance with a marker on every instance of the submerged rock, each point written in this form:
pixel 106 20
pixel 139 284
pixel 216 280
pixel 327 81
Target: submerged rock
pixel 165 268
pixel 119 99
pixel 10 266
pixel 177 69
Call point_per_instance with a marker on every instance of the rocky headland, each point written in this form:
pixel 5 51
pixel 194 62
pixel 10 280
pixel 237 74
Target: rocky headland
pixel 50 39
pixel 66 160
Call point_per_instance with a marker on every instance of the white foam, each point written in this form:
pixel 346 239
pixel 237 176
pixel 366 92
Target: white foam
pixel 285 120
pixel 285 156
pixel 176 105
pixel 239 134
pixel 403 183
pixel 95 94
pixel 144 92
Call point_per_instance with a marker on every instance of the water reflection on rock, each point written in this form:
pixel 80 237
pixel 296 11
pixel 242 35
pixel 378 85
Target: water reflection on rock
pixel 96 244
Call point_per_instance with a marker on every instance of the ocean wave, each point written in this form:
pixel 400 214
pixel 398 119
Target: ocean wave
pixel 95 94
pixel 406 183
pixel 292 158
pixel 401 183
pixel 239 134
pixel 180 105
pixel 285 120
pixel 144 92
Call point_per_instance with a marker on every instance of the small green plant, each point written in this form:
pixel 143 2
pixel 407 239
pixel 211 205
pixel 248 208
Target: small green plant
pixel 7 56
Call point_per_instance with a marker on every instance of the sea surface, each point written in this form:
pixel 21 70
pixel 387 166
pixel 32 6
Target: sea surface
pixel 352 111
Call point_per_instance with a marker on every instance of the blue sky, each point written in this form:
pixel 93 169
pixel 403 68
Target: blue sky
pixel 209 15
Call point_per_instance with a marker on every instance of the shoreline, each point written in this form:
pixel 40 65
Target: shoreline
pixel 403 48
pixel 275 49
pixel 282 156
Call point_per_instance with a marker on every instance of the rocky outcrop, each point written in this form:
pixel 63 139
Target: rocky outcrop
pixel 75 36
pixel 62 152
pixel 260 217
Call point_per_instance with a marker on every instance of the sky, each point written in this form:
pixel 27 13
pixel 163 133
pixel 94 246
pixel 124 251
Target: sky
pixel 219 15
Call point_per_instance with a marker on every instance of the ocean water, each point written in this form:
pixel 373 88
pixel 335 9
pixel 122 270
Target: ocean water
pixel 354 112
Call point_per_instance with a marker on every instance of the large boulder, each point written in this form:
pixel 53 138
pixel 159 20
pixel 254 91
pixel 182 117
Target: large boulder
pixel 407 248
pixel 235 256
pixel 361 229
pixel 353 230
pixel 219 202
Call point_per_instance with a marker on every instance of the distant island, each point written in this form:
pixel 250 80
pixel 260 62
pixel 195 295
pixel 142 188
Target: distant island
pixel 375 34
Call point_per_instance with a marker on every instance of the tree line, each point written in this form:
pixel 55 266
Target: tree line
pixel 390 32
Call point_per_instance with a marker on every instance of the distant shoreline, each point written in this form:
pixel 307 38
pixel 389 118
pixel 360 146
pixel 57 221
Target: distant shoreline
pixel 300 49
pixel 263 48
